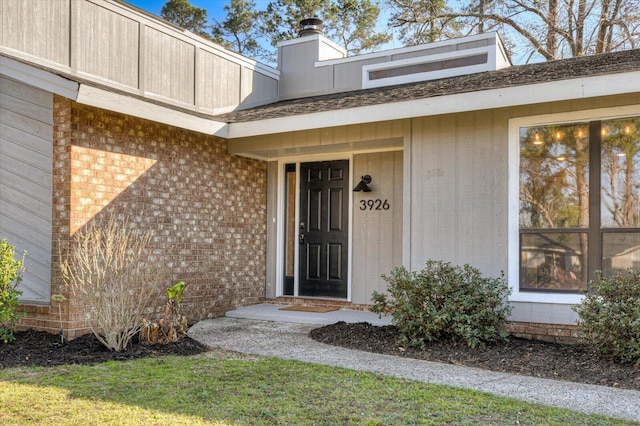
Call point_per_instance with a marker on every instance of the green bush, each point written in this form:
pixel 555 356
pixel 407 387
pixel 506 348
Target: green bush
pixel 609 319
pixel 445 302
pixel 10 277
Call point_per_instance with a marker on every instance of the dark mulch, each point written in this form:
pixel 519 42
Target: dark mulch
pixel 575 363
pixel 38 348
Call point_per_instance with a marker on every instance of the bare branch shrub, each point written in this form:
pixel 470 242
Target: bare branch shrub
pixel 104 267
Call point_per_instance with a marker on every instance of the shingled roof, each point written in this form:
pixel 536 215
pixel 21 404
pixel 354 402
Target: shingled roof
pixel 587 66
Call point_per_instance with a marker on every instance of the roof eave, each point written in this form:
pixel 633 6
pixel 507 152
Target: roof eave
pixel 553 91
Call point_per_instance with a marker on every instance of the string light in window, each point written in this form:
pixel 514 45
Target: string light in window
pixel 537 140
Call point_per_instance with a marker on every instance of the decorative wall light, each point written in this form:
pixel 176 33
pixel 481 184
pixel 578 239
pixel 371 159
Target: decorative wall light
pixel 363 186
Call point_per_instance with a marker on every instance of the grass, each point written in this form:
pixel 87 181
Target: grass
pixel 223 388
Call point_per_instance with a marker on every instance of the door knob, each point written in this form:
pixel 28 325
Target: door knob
pixel 301 238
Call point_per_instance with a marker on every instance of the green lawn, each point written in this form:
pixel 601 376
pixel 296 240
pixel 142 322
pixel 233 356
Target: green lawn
pixel 222 388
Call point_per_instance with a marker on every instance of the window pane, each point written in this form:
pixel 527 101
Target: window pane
pixel 554 191
pixel 553 261
pixel 620 192
pixel 620 251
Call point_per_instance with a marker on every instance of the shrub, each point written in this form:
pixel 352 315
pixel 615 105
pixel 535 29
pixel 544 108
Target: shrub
pixel 104 268
pixel 10 276
pixel 609 319
pixel 173 326
pixel 445 302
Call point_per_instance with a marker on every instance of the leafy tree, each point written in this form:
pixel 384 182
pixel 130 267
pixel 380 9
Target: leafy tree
pixel 282 17
pixel 183 14
pixel 551 29
pixel 240 31
pixel 423 21
pixel 352 23
pixel 349 23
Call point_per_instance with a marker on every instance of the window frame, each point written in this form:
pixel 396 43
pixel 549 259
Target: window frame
pixel 513 258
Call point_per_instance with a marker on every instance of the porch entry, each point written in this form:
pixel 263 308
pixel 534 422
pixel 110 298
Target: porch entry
pixel 322 230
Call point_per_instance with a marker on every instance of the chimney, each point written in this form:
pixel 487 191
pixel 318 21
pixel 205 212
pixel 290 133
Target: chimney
pixel 310 26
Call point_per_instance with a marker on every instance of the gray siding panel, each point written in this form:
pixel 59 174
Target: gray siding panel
pixel 459 191
pixel 110 44
pixel 377 234
pixel 37 28
pixel 218 83
pixel 101 36
pixel 169 67
pixel 26 169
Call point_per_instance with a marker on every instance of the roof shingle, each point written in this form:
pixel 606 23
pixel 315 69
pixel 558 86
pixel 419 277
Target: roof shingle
pixel 586 66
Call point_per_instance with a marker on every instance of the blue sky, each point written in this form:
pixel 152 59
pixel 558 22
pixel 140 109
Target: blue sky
pixel 215 11
pixel 213 7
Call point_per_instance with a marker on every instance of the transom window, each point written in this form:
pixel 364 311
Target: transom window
pixel 579 202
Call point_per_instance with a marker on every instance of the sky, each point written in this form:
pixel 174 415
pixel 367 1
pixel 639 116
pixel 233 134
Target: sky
pixel 215 11
pixel 213 7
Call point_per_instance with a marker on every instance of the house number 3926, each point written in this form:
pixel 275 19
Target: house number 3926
pixel 376 204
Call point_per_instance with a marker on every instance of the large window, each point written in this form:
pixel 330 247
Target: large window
pixel 579 202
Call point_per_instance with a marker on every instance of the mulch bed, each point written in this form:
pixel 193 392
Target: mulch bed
pixel 38 348
pixel 575 363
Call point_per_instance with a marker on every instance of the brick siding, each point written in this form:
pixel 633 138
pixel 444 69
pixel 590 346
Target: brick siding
pixel 206 209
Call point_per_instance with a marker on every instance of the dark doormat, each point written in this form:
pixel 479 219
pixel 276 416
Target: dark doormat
pixel 318 309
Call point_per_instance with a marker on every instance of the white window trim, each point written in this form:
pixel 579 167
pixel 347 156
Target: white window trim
pixel 513 269
pixel 280 222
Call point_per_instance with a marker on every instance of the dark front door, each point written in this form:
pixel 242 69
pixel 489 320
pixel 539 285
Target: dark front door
pixel 323 240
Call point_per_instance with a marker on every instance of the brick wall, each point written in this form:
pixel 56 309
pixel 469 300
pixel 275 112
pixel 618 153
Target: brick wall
pixel 206 209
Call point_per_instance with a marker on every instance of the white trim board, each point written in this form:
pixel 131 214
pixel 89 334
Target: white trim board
pixel 38 78
pixel 127 105
pixel 578 88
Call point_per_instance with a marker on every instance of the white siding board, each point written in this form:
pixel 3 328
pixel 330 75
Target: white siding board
pixel 24 141
pixel 38 225
pixel 34 171
pixel 26 169
pixel 25 124
pixel 25 108
pixel 19 90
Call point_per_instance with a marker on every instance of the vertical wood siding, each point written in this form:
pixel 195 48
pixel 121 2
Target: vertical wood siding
pixel 459 190
pixel 108 43
pixel 377 234
pixel 26 168
pixel 169 67
pixel 37 28
pixel 101 36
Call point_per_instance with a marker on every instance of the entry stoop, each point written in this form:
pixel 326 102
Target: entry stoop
pixel 270 312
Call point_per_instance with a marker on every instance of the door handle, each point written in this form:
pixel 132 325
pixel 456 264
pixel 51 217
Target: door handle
pixel 301 238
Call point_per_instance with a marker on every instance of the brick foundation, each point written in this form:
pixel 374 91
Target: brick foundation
pixel 206 209
pixel 302 301
pixel 556 333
